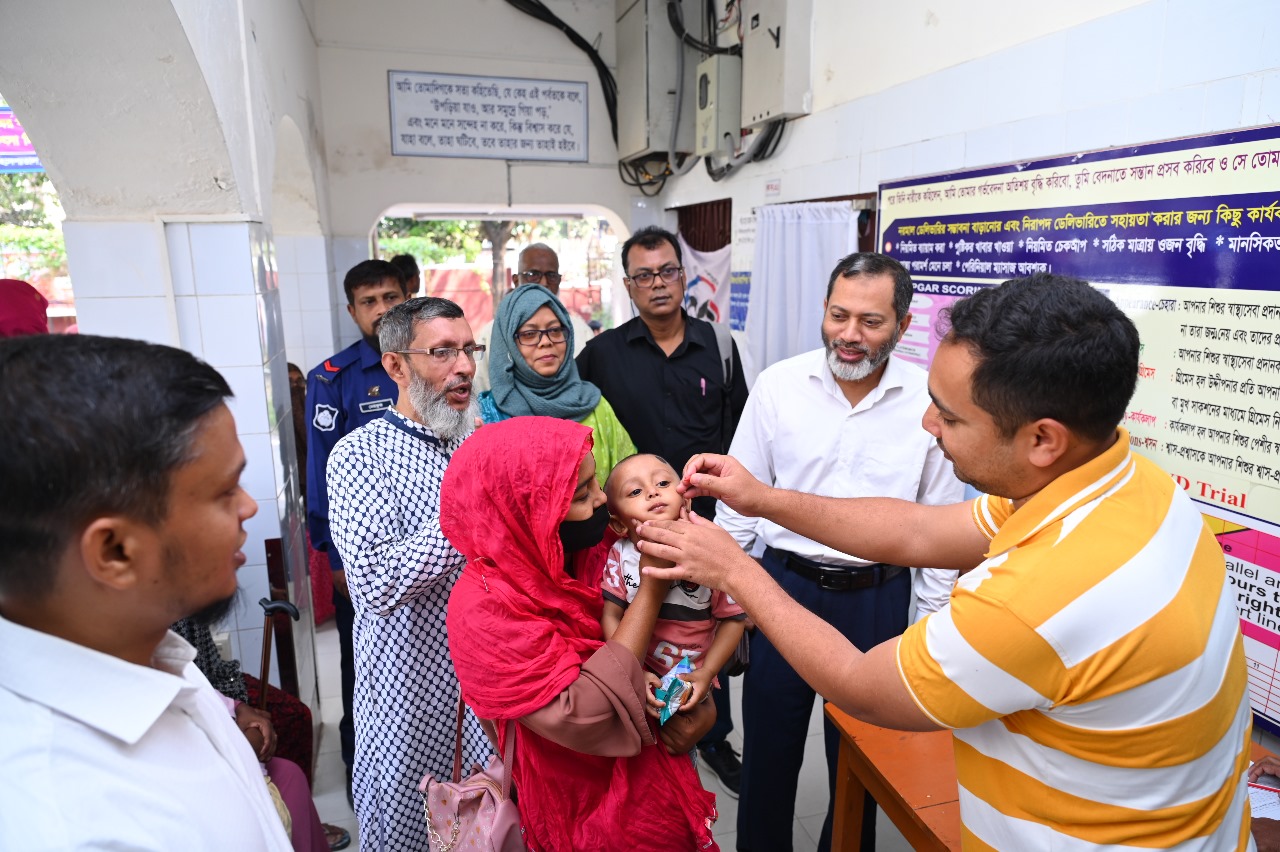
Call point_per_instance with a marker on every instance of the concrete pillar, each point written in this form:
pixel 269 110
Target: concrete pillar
pixel 211 288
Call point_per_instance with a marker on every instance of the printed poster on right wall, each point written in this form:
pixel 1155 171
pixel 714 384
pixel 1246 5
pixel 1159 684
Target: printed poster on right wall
pixel 1185 237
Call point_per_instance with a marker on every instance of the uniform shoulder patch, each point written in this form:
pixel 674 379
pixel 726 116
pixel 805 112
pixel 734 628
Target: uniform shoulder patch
pixel 326 418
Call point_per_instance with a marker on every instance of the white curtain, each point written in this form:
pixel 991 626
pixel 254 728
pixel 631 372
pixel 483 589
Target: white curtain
pixel 797 246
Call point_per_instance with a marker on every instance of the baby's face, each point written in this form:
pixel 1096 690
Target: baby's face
pixel 643 488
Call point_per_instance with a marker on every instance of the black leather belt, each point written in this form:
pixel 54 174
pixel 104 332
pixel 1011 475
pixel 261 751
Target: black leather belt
pixel 838 578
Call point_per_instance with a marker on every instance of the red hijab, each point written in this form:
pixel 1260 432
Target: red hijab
pixel 519 630
pixel 22 309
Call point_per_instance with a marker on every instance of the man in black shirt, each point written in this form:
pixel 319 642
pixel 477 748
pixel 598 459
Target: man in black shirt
pixel 662 372
pixel 676 395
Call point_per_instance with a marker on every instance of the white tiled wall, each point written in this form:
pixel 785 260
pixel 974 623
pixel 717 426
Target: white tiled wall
pixel 212 288
pixel 310 304
pixel 347 252
pixel 122 280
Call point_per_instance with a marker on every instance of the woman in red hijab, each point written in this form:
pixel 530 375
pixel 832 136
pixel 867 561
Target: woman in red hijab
pixel 526 642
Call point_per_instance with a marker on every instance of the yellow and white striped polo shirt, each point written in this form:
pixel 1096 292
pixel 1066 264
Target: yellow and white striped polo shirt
pixel 1094 670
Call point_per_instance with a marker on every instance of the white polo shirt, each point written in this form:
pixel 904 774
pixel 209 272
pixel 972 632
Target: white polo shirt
pixel 99 753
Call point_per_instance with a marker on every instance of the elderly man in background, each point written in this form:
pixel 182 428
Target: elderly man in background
pixel 538 264
pixel 410 274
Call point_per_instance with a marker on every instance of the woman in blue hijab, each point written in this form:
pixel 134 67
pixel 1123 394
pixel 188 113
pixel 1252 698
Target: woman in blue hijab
pixel 530 372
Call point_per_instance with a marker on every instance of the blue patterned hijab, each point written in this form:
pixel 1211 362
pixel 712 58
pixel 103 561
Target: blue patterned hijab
pixel 517 389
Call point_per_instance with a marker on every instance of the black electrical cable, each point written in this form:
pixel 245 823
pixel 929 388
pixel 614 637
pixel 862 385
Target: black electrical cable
pixel 770 144
pixel 608 85
pixel 770 137
pixel 632 174
pixel 716 173
pixel 676 16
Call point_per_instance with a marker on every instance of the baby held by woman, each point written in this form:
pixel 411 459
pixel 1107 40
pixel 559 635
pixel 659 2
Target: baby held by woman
pixel 695 621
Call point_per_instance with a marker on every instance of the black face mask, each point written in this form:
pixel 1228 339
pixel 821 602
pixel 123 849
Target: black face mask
pixel 579 535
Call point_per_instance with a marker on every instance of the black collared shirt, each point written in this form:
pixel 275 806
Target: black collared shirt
pixel 674 406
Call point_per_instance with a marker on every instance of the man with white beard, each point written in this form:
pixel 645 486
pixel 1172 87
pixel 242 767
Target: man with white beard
pixel 842 421
pixel 384 517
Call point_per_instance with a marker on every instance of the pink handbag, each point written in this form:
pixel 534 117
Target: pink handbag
pixel 476 812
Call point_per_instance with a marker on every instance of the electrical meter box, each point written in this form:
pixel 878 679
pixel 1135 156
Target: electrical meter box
pixel 647 57
pixel 718 97
pixel 777 43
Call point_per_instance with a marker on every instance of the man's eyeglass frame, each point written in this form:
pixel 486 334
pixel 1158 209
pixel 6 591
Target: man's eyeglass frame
pixel 668 274
pixel 447 354
pixel 533 276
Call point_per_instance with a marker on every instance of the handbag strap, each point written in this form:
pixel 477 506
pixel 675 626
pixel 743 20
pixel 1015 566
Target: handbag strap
pixel 508 756
pixel 457 743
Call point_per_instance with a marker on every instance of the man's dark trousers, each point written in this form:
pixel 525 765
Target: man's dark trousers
pixel 777 704
pixel 344 617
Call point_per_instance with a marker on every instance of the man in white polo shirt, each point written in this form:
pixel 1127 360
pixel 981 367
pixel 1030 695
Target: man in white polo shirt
pixel 842 421
pixel 121 512
pixel 1090 661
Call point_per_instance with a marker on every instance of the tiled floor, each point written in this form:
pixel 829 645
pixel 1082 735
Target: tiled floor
pixel 811 799
pixel 329 789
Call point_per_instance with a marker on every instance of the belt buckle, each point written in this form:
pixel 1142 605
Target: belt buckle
pixel 835 582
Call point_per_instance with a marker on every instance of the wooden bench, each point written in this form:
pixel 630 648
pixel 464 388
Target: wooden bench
pixel 912 777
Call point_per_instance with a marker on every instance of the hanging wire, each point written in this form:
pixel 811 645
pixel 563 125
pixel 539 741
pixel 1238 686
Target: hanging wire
pixel 608 85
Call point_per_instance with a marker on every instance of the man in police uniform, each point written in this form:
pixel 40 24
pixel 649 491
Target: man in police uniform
pixel 344 393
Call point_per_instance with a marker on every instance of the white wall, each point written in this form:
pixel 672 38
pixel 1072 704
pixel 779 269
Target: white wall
pixel 359 43
pixel 117 106
pixel 867 46
pixel 1156 70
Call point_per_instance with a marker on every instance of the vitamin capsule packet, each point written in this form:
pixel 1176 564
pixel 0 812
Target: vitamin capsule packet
pixel 672 689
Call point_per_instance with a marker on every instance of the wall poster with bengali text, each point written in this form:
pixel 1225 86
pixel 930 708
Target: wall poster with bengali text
pixel 503 118
pixel 1185 237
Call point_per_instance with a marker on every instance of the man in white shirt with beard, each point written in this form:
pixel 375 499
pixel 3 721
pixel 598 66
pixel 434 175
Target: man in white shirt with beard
pixel 842 421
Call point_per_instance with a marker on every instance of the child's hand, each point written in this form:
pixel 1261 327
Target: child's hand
pixel 699 687
pixel 651 585
pixel 651 683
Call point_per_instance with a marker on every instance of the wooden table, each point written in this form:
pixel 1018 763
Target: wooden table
pixel 912 776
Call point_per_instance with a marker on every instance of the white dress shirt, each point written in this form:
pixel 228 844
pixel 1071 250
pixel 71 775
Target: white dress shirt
pixel 799 432
pixel 99 753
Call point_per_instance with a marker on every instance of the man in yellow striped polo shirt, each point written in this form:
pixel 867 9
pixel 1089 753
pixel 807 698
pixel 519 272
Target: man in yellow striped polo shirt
pixel 1090 659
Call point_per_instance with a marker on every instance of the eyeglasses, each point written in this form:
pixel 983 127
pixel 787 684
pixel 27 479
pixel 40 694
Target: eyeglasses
pixel 644 278
pixel 533 276
pixel 533 336
pixel 446 354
